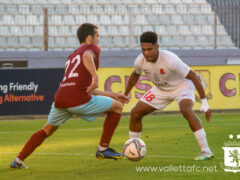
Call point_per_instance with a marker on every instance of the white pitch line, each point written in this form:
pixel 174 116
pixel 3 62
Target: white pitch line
pixel 80 129
pixel 92 155
pixel 145 127
pixel 57 154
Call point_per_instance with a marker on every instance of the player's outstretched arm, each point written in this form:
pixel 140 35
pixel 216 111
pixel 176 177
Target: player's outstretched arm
pixel 118 96
pixel 134 77
pixel 88 62
pixel 198 85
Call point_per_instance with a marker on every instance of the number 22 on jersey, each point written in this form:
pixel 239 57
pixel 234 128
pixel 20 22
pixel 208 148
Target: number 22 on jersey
pixel 76 62
pixel 149 97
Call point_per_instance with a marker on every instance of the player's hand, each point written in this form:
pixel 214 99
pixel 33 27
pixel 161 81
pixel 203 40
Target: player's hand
pixel 93 85
pixel 205 108
pixel 120 97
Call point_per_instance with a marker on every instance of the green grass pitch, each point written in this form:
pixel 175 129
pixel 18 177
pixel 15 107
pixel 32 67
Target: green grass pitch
pixel 70 152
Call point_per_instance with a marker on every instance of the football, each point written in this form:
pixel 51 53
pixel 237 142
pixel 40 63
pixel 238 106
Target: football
pixel 134 149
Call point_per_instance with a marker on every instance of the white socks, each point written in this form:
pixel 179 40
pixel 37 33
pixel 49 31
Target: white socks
pixel 200 135
pixel 134 134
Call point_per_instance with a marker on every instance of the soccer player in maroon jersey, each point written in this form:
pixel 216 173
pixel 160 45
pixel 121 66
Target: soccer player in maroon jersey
pixel 77 94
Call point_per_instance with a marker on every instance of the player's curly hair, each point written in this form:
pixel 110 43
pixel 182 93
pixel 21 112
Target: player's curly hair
pixel 149 37
pixel 84 30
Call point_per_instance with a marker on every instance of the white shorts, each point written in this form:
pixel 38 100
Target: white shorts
pixel 160 99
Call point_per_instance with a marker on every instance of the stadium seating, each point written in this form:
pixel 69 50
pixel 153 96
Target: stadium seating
pixel 179 24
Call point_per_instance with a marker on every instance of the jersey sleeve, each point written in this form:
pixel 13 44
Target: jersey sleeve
pixel 138 64
pixel 177 65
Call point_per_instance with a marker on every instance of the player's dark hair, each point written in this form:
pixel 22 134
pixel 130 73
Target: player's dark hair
pixel 84 30
pixel 149 37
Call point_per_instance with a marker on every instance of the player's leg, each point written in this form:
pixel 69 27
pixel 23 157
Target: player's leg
pixel 186 108
pixel 111 121
pixel 56 117
pixel 152 100
pixel 35 141
pixel 113 110
pixel 113 115
pixel 138 112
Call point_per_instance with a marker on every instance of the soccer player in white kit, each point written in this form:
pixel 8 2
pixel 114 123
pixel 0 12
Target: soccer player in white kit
pixel 173 80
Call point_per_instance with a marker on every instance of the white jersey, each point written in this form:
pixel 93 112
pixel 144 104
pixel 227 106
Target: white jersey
pixel 167 73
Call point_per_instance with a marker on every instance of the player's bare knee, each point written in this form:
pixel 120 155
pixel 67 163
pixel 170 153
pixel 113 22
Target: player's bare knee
pixel 120 106
pixel 186 112
pixel 47 132
pixel 117 107
pixel 49 129
pixel 136 114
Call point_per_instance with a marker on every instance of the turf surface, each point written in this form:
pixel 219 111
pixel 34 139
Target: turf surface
pixel 70 152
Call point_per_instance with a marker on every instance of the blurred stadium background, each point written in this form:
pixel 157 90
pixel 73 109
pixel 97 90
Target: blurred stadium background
pixel 37 35
pixel 181 24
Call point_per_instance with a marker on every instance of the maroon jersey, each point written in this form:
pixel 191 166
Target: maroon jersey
pixel 73 89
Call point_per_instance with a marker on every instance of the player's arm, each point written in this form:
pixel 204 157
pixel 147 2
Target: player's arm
pixel 134 77
pixel 198 85
pixel 118 96
pixel 88 62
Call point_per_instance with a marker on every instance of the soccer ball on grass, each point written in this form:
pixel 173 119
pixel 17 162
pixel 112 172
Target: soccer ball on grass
pixel 134 149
